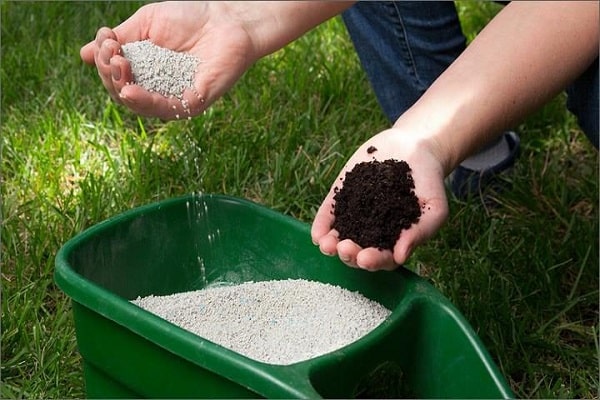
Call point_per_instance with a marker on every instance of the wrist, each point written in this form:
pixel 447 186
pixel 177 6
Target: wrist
pixel 432 135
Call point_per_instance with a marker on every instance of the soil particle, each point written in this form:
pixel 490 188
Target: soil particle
pixel 376 203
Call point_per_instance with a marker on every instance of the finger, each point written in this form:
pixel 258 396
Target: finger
pixel 107 50
pixel 87 53
pixel 322 222
pixel 120 71
pixel 103 34
pixel 347 252
pixel 373 259
pixel 328 243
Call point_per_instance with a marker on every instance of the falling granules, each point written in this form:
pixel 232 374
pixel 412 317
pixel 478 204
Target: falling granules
pixel 160 70
pixel 277 322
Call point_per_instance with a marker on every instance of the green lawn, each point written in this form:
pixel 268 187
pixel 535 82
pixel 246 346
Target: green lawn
pixel 524 273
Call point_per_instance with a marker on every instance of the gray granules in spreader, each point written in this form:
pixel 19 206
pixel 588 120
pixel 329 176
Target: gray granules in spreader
pixel 277 322
pixel 160 70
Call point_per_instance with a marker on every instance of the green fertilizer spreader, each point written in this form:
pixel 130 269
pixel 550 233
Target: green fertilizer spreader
pixel 186 243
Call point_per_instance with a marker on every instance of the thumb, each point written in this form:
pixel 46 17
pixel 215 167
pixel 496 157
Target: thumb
pixel 135 27
pixel 323 220
pixel 434 214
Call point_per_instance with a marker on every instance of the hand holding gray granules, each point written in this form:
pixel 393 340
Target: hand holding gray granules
pixel 160 70
pixel 277 322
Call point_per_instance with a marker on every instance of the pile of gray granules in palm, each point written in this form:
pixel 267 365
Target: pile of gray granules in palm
pixel 277 322
pixel 160 70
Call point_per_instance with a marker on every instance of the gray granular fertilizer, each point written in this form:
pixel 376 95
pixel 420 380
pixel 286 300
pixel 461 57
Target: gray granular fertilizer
pixel 277 322
pixel 160 70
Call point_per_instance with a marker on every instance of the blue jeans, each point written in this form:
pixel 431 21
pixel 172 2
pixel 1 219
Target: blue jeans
pixel 404 46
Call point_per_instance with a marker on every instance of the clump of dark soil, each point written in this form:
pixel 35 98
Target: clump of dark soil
pixel 376 203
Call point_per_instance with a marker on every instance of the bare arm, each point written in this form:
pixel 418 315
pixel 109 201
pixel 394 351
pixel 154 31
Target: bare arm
pixel 522 59
pixel 275 24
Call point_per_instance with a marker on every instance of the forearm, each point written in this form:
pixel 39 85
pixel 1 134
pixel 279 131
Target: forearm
pixel 274 24
pixel 522 59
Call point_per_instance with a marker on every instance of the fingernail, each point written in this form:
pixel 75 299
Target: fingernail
pixel 100 36
pixel 116 73
pixel 326 252
pixel 345 258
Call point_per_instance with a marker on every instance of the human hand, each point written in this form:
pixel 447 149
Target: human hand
pixel 428 175
pixel 207 30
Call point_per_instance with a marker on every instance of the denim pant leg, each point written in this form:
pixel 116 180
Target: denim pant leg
pixel 582 101
pixel 403 47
